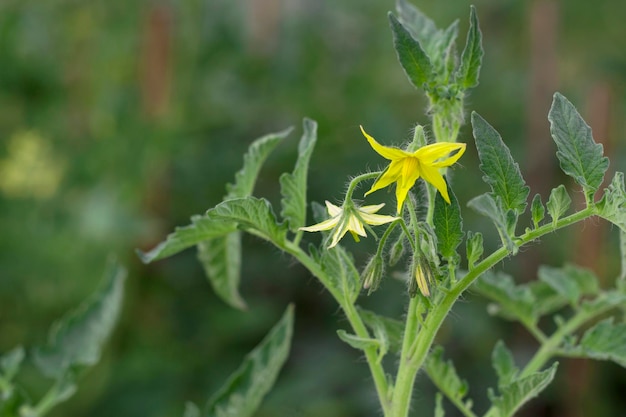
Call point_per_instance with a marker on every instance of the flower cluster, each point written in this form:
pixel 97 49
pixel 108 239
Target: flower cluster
pixel 404 169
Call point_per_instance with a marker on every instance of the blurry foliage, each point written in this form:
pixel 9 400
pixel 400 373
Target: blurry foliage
pixel 118 112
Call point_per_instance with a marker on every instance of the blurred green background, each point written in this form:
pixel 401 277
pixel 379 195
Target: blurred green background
pixel 119 120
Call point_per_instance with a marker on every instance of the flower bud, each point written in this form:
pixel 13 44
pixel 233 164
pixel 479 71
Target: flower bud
pixel 420 275
pixel 421 279
pixel 372 274
pixel 397 250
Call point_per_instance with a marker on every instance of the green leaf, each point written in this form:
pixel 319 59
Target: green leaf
pixel 571 281
pixel 444 376
pixel 448 225
pixel 472 56
pixel 221 259
pixel 339 267
pixel 447 45
pixel 419 25
pixel 487 206
pixel 612 206
pixel 253 160
pixel 514 302
pixel 78 338
pixel 251 214
pixel 558 203
pixel 200 229
pixel 515 395
pixel 501 171
pixel 504 365
pixel 218 241
pixel 605 301
pixel 437 44
pixel 220 255
pixel 293 186
pixel 414 61
pixel 605 341
pixel 547 299
pixel 357 342
pixel 580 157
pixel 384 328
pixel 387 332
pixel 537 210
pixel 473 248
pixel 242 394
pixel 10 363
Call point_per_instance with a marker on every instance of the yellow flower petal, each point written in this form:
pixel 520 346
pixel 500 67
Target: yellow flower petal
pixel 384 151
pixel 332 209
pixel 340 231
pixel 371 209
pixel 377 219
pixel 392 174
pixel 401 193
pixel 325 225
pixel 355 225
pixel 437 155
pixel 410 173
pixel 433 176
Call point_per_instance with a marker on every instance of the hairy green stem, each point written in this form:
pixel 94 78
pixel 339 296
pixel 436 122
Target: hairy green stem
pixel 535 331
pixel 458 403
pixel 356 180
pixel 442 133
pixel 371 355
pixel 376 369
pixel 405 378
pixel 383 239
pixel 551 346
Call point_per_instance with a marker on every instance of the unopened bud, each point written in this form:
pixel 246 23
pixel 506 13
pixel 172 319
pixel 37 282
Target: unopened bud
pixel 421 274
pixel 372 274
pixel 419 139
pixel 397 250
pixel 421 279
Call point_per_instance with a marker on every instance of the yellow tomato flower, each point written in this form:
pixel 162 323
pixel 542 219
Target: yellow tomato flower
pixel 349 219
pixel 406 167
